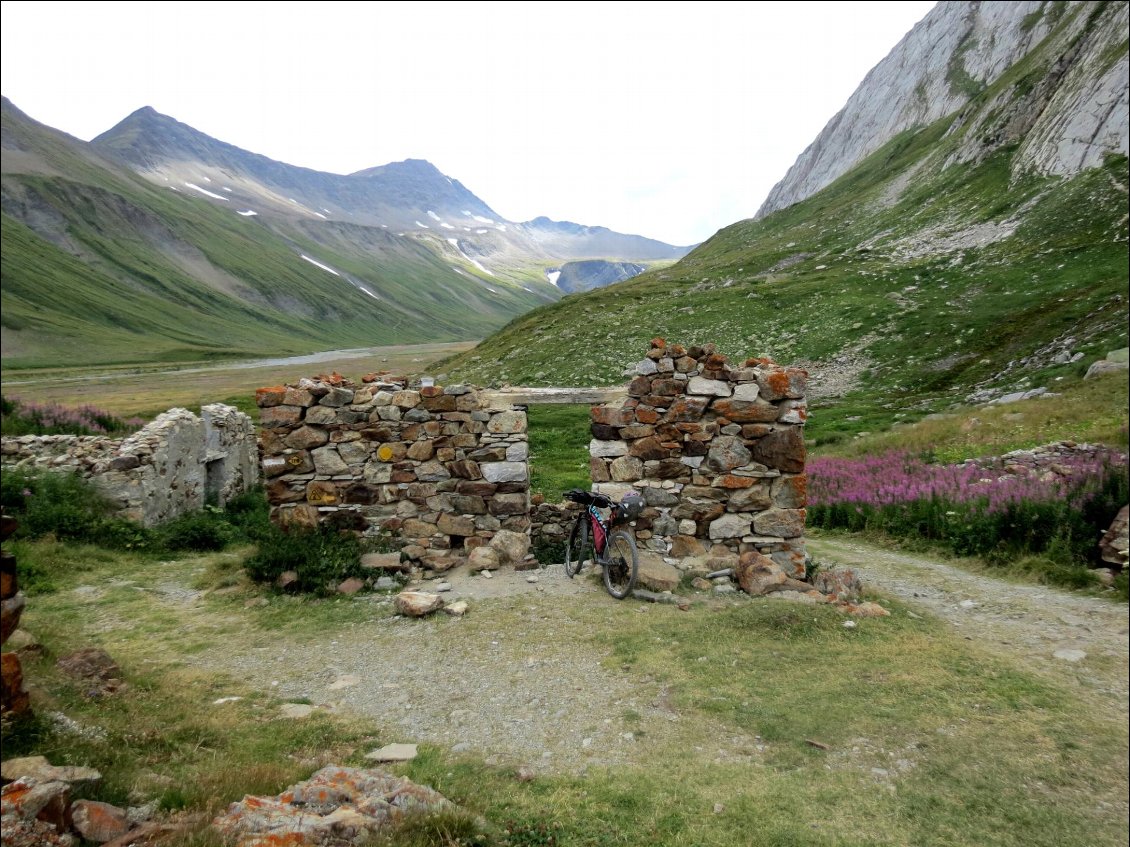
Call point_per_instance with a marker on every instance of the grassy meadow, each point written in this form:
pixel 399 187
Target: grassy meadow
pixel 147 390
pixel 781 727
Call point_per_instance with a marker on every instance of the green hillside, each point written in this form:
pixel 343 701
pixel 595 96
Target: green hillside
pixel 904 286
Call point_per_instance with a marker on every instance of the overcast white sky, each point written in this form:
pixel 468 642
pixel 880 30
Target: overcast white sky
pixel 666 119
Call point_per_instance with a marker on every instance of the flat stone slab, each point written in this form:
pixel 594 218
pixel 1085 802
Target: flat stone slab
pixel 393 753
pixel 656 574
pixel 526 396
pixel 38 768
pixel 297 711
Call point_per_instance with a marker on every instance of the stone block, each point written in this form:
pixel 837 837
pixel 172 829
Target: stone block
pixel 279 416
pixel 607 449
pixel 10 611
pixel 465 469
pixel 790 492
pixel 697 385
pixel 656 574
pixel 776 383
pixel 99 822
pixel 505 471
pixel 273 395
pixel 456 525
pixel 417 604
pixel 431 472
pixel 647 449
pixel 502 505
pixel 306 437
pixel 626 469
pixel 783 450
pixel 321 416
pixel 726 453
pixel 328 462
pixel 729 526
pixel 511 547
pixel 740 411
pixel 507 423
pixel 686 409
pixel 786 523
pixel 747 392
pixel 299 397
pixel 321 493
pixel 13 698
pixel 611 415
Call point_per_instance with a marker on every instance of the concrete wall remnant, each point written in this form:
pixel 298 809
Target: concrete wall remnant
pixel 172 466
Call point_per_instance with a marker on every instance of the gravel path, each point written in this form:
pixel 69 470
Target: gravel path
pixel 1084 639
pixel 509 682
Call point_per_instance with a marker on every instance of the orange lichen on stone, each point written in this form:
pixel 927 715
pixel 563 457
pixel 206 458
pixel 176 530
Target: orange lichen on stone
pixel 271 395
pixel 779 382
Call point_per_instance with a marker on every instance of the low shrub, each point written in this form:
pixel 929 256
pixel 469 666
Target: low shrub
pixel 70 508
pixel 200 532
pixel 973 511
pixel 321 558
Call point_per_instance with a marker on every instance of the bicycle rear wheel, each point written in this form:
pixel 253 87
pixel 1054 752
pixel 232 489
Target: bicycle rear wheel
pixel 621 565
pixel 577 545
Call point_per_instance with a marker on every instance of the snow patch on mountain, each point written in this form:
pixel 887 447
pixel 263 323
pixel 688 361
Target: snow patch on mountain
pixel 212 194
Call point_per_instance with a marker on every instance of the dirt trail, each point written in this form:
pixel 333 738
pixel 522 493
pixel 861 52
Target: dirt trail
pixel 1068 636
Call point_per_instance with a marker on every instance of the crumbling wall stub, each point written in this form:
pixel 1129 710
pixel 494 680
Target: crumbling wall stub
pixel 716 451
pixel 231 453
pixel 161 471
pixel 439 467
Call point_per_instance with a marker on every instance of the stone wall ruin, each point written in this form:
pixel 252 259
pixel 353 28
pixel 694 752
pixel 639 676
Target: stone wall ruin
pixel 716 451
pixel 439 467
pixel 174 465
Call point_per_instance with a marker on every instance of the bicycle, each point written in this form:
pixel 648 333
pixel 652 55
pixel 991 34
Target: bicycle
pixel 613 549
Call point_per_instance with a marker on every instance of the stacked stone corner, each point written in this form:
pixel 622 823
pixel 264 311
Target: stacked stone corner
pixel 716 451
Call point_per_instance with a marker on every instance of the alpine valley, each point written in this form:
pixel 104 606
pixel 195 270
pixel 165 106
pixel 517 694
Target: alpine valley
pixel 956 233
pixel 155 242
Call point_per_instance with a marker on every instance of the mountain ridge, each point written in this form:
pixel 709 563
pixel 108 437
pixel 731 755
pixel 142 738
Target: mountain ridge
pixel 956 52
pixel 411 195
pixel 98 235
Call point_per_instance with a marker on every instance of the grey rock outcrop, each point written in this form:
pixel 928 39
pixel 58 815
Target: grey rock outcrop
pixel 1067 112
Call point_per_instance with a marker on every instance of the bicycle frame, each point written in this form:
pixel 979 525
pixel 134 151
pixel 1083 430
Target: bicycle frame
pixel 600 530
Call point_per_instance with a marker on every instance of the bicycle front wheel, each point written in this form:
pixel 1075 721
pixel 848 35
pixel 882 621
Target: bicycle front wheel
pixel 621 566
pixel 577 546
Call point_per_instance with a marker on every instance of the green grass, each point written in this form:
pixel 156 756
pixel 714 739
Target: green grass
pixel 843 275
pixel 1091 411
pixel 931 740
pixel 559 449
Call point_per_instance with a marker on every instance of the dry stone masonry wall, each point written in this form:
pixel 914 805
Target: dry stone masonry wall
pixel 439 467
pixel 716 451
pixel 170 467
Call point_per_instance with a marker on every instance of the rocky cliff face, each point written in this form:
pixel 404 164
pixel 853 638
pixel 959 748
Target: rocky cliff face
pixel 1067 105
pixel 595 273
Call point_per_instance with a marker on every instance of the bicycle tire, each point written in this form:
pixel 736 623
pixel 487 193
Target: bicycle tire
pixel 621 565
pixel 576 546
